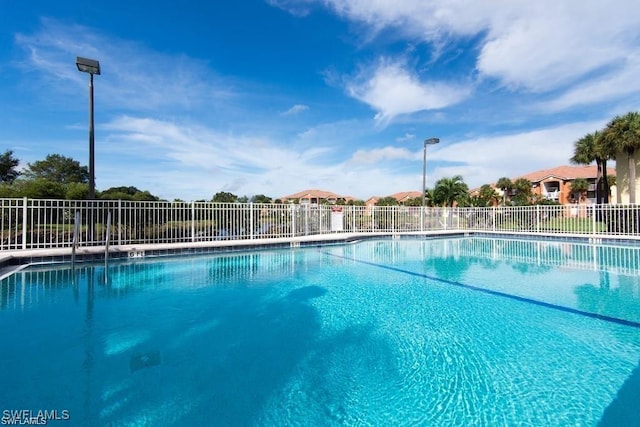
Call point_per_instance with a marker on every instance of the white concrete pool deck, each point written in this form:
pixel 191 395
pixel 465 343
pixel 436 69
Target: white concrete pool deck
pixel 319 238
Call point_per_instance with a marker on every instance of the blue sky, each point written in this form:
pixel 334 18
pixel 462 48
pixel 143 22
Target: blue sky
pixel 278 96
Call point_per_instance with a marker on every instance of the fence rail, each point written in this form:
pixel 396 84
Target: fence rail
pixel 39 224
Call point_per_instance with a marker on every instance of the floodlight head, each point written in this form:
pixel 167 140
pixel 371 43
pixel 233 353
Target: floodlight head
pixel 431 141
pixel 86 65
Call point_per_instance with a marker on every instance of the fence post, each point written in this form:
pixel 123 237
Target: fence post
pixel 24 223
pixel 394 212
pixel 537 218
pixel 306 218
pixel 251 220
pixel 193 221
pixel 493 219
pixel 353 218
pixel 119 222
pixel 594 223
pixel 373 218
pixel 293 220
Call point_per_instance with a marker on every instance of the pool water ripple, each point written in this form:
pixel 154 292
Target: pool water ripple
pixel 374 333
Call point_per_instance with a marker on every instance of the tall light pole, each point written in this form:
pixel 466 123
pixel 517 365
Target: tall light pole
pixel 429 141
pixel 92 67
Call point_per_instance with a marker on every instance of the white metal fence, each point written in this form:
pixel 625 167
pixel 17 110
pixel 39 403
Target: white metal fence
pixel 37 223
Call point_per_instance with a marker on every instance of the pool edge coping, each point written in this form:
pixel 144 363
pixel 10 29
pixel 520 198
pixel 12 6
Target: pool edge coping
pixel 12 261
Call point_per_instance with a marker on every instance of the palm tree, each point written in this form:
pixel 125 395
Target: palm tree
pixel 589 148
pixel 450 190
pixel 623 134
pixel 579 186
pixel 504 184
pixel 387 201
pixel 523 192
pixel 428 198
pixel 486 196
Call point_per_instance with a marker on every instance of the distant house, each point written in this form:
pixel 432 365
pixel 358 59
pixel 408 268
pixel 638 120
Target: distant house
pixel 315 197
pixel 405 196
pixel 402 197
pixel 555 183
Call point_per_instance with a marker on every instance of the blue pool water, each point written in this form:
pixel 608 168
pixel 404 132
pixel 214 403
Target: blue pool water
pixel 464 331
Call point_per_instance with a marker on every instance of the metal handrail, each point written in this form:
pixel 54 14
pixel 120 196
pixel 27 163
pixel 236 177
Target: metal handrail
pixel 76 227
pixel 107 239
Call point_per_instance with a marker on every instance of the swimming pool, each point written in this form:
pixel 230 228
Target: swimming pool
pixel 459 331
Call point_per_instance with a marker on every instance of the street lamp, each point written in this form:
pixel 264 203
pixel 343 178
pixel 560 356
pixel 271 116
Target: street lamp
pixel 430 141
pixel 92 67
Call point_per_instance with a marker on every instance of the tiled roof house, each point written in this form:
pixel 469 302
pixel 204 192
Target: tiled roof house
pixel 402 197
pixel 555 183
pixel 315 197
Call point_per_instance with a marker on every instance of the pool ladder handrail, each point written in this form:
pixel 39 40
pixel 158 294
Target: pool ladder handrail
pixel 76 228
pixel 107 239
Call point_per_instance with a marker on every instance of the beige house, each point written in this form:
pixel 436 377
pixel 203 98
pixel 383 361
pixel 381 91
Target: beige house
pixel 555 183
pixel 623 178
pixel 402 197
pixel 315 197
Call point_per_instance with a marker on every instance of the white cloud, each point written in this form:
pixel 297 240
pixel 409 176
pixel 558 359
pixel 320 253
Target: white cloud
pixel 175 160
pixel 484 160
pixel 407 137
pixel 391 90
pixel 549 43
pixel 133 77
pixel 381 154
pixel 200 147
pixel 197 161
pixel 615 84
pixel 299 8
pixel 183 158
pixel 538 46
pixel 296 109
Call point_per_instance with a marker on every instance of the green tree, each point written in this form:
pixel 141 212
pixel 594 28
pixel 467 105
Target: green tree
pixel 127 193
pixel 580 186
pixel 76 191
pixel 505 185
pixel 39 189
pixel 58 169
pixel 623 134
pixel 118 193
pixel 387 201
pixel 486 196
pixel 590 148
pixel 7 190
pixel 145 196
pixel 450 190
pixel 224 197
pixel 260 198
pixel 524 195
pixel 8 165
pixel 415 201
pixel 428 198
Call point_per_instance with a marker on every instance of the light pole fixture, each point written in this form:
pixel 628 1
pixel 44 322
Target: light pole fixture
pixel 92 67
pixel 429 141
